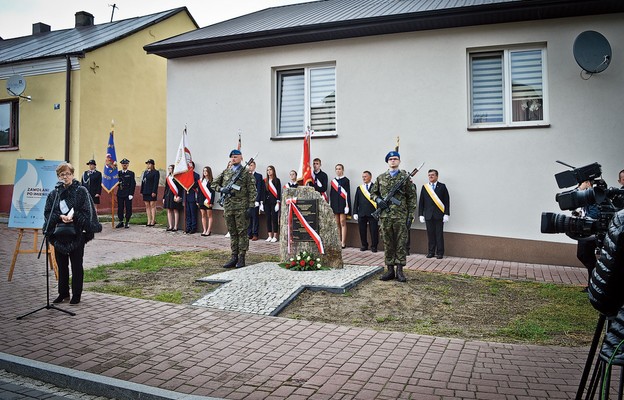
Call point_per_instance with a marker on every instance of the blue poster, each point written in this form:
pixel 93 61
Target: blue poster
pixel 34 180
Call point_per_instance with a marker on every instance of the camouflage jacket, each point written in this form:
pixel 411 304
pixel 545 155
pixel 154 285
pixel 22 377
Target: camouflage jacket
pixel 241 199
pixel 406 195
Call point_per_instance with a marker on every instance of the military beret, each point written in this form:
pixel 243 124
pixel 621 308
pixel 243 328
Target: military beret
pixel 235 152
pixel 393 154
pixel 125 161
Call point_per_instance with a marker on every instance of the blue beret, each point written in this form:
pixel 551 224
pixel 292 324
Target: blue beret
pixel 393 154
pixel 235 153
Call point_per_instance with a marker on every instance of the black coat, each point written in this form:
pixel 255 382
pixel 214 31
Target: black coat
pixel 76 197
pixel 149 182
pixel 259 187
pixel 269 199
pixel 127 183
pixel 93 182
pixel 336 201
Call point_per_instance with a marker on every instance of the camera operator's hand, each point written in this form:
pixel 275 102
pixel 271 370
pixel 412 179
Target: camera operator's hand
pixel 381 203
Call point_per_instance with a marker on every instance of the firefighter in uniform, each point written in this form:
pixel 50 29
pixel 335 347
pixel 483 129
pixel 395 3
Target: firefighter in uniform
pixel 125 193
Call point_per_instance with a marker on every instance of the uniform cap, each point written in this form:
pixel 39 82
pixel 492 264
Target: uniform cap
pixel 393 154
pixel 91 162
pixel 150 161
pixel 125 161
pixel 235 152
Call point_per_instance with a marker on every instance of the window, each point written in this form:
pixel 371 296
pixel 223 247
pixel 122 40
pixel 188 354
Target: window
pixel 8 124
pixel 507 88
pixel 306 97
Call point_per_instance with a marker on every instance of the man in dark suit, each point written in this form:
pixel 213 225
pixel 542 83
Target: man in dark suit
pixel 321 181
pixel 92 180
pixel 363 208
pixel 434 209
pixel 125 193
pixel 254 221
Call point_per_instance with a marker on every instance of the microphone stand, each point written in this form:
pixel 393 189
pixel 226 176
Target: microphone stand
pixel 48 306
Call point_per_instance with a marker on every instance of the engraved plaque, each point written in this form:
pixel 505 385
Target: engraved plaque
pixel 309 211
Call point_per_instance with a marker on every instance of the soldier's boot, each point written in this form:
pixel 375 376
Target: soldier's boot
pixel 388 275
pixel 232 262
pixel 399 274
pixel 241 260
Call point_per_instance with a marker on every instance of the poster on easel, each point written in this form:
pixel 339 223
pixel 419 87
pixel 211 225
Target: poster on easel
pixel 34 180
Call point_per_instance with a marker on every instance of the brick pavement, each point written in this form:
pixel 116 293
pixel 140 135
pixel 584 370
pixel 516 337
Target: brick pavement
pixel 231 355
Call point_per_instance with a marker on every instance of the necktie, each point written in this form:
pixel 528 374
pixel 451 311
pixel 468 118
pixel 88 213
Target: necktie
pixel 367 188
pixel 433 186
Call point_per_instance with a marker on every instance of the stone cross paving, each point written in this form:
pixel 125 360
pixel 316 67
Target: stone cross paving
pixel 266 288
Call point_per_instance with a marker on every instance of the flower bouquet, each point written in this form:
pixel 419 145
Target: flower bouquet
pixel 303 261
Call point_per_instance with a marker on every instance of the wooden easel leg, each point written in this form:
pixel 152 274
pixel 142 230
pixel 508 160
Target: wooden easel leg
pixel 53 264
pixel 17 247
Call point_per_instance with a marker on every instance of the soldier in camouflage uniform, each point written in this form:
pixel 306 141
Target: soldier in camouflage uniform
pixel 237 208
pixel 394 218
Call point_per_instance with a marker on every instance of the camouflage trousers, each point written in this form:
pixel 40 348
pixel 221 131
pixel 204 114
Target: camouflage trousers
pixel 237 224
pixel 394 232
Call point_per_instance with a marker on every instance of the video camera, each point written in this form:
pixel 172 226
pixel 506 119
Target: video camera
pixel 608 201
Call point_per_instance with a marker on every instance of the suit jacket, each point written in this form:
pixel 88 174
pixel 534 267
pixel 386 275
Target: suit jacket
pixel 361 206
pixel 321 181
pixel 259 187
pixel 426 206
pixel 269 199
pixel 93 183
pixel 127 183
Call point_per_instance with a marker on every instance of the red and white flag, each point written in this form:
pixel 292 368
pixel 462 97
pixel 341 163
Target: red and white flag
pixel 182 170
pixel 305 171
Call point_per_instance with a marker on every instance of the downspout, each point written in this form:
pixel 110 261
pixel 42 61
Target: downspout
pixel 67 107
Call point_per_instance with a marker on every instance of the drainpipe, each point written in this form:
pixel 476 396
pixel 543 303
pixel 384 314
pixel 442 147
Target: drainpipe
pixel 67 107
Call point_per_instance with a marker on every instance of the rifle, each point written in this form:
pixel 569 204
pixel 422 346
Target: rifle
pixel 390 199
pixel 231 185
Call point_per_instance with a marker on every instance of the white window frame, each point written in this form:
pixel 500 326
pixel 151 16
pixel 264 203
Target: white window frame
pixel 307 106
pixel 507 88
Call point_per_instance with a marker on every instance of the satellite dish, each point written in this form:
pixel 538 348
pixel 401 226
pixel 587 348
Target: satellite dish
pixel 16 85
pixel 592 52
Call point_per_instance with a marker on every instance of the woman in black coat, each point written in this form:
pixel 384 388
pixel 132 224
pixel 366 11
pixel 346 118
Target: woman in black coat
pixel 149 190
pixel 271 203
pixel 340 202
pixel 68 205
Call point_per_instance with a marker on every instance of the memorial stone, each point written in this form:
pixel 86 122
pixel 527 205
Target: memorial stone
pixel 320 217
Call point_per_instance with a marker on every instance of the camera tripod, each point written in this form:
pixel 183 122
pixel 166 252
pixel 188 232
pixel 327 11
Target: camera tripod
pixel 601 376
pixel 48 306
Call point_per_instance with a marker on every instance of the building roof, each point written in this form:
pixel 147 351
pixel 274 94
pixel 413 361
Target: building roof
pixel 77 41
pixel 339 19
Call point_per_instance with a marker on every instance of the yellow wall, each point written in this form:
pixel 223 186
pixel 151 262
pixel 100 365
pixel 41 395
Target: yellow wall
pixel 41 127
pixel 128 86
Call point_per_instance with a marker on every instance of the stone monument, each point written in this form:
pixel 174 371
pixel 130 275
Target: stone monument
pixel 319 219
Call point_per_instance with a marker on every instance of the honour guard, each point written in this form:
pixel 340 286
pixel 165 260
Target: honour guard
pixel 396 217
pixel 240 197
pixel 92 180
pixel 125 193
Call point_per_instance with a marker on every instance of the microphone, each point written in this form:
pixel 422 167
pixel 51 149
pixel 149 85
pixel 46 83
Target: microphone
pixel 59 185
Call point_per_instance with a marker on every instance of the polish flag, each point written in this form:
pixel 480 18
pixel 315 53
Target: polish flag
pixel 304 175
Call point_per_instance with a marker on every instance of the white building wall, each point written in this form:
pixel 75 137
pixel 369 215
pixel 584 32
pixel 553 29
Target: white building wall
pixel 415 86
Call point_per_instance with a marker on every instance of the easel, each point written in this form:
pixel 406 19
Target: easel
pixel 34 249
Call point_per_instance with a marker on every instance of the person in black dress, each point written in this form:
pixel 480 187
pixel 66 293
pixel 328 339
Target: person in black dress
pixel 271 204
pixel 172 200
pixel 340 202
pixel 149 190
pixel 205 200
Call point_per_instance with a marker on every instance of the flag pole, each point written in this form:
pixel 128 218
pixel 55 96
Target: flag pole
pixel 112 192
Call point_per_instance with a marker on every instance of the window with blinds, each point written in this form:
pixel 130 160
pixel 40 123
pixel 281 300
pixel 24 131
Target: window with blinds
pixel 306 97
pixel 507 88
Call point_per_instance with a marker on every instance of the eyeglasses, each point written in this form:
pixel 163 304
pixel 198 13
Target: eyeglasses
pixel 64 174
